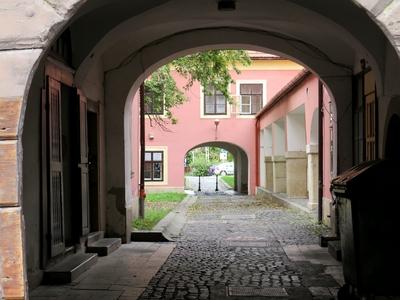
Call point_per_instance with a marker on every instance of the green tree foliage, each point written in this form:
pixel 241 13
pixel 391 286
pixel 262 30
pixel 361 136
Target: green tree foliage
pixel 211 68
pixel 200 167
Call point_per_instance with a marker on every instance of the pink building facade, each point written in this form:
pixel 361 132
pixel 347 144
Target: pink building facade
pixel 196 126
pixel 293 157
pixel 276 146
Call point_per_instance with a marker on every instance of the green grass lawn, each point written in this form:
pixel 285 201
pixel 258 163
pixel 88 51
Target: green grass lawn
pixel 165 197
pixel 152 217
pixel 229 180
pixel 157 206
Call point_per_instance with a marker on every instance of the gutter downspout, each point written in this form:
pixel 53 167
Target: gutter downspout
pixel 257 152
pixel 320 148
pixel 142 194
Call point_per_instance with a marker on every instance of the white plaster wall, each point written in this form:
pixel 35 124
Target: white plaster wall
pixel 296 132
pixel 279 138
pixel 268 141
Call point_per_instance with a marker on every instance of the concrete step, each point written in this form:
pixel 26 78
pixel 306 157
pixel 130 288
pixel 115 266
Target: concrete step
pixel 334 249
pixel 324 239
pixel 94 237
pixel 69 268
pixel 104 247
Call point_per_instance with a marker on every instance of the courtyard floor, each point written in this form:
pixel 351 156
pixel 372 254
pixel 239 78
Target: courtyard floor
pixel 235 246
pixel 231 247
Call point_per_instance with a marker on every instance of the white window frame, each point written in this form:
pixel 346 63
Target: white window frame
pixel 219 116
pixel 239 96
pixel 163 149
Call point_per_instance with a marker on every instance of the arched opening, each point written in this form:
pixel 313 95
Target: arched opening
pixel 112 215
pixel 154 43
pixel 238 168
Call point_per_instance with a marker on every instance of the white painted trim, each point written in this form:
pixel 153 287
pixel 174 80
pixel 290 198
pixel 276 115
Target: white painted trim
pixel 217 116
pixel 165 166
pixel 264 98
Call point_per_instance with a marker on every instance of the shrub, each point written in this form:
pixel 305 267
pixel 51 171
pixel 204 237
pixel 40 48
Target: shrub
pixel 200 167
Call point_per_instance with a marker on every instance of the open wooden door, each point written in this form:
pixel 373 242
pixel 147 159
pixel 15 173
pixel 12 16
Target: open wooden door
pixel 56 201
pixel 84 164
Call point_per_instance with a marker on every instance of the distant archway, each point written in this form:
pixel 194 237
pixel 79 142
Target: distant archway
pixel 241 164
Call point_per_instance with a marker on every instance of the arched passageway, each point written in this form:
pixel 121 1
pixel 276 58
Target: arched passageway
pixel 113 47
pixel 241 171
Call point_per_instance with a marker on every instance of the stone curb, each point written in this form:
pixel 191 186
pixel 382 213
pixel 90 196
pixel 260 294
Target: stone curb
pixel 172 224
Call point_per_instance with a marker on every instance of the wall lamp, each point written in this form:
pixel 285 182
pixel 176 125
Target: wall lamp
pixel 226 5
pixel 216 123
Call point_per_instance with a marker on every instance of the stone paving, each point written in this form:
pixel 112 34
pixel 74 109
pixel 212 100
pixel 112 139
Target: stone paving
pixel 123 275
pixel 237 245
pixel 229 246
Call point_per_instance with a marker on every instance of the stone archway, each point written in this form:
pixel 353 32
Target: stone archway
pixel 243 172
pixel 23 47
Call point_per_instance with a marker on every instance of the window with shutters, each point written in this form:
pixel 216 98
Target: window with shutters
pixel 214 102
pixel 251 98
pixel 153 166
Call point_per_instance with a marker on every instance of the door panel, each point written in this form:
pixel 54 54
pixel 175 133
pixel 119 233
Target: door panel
pixel 56 201
pixel 84 164
pixel 93 169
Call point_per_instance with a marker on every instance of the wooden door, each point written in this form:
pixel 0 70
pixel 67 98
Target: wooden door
pixel 92 120
pixel 370 116
pixel 56 200
pixel 84 165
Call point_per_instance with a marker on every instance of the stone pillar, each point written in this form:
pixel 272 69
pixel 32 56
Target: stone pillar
pixel 279 174
pixel 119 201
pixel 15 68
pixel 312 175
pixel 269 174
pixel 296 174
pixel 118 207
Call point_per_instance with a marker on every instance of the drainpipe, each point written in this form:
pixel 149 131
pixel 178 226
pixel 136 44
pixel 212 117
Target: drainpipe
pixel 142 194
pixel 320 148
pixel 257 152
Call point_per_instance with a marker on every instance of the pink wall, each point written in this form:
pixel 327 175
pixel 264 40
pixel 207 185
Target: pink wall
pixel 292 101
pixel 192 130
pixel 306 93
pixel 326 150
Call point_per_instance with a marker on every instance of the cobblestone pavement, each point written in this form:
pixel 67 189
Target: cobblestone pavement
pixel 235 245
